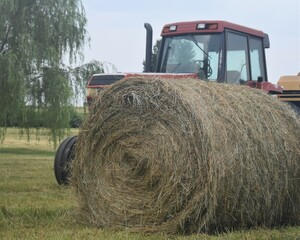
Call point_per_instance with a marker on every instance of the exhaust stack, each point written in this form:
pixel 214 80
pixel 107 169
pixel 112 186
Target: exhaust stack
pixel 148 64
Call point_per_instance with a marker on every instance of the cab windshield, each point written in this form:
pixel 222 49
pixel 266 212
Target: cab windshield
pixel 192 54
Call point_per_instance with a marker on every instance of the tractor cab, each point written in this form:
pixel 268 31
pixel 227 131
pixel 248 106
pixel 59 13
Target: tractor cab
pixel 215 50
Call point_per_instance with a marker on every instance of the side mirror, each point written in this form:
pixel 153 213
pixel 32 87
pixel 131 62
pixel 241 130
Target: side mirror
pixel 266 41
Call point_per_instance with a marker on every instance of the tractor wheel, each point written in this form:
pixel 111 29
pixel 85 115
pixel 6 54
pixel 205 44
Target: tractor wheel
pixel 63 157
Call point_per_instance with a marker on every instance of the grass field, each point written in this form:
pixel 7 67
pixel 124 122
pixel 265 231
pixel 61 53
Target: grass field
pixel 34 206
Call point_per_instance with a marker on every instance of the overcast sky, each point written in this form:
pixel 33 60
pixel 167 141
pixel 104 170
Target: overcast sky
pixel 116 28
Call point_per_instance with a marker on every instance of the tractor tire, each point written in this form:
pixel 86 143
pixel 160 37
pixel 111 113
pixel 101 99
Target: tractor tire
pixel 63 157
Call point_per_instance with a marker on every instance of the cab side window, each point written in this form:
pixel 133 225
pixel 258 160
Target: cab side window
pixel 256 59
pixel 237 65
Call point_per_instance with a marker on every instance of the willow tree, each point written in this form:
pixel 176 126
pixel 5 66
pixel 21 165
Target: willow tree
pixel 36 38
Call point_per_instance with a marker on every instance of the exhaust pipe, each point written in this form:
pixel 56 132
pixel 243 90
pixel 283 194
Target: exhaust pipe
pixel 148 63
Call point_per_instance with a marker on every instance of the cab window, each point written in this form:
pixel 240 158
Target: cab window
pixel 237 65
pixel 190 53
pixel 257 59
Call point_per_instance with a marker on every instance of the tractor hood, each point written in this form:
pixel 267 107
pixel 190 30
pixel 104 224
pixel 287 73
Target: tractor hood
pixel 101 81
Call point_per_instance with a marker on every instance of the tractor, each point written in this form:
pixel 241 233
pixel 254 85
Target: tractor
pixel 217 51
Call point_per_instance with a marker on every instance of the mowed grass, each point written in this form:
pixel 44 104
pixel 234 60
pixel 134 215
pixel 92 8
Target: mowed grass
pixel 34 206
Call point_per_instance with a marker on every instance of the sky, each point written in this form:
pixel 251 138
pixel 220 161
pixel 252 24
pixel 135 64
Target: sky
pixel 118 37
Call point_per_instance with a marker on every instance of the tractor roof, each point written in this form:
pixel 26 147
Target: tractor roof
pixel 211 26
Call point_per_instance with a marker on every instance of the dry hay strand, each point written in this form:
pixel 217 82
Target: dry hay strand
pixel 187 156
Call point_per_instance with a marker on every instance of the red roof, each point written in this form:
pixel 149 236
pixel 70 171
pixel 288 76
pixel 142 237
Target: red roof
pixel 191 27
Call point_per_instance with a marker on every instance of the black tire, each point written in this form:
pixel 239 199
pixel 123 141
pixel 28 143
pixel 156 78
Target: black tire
pixel 63 157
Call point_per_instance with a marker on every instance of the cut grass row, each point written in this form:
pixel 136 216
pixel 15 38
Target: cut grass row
pixel 34 206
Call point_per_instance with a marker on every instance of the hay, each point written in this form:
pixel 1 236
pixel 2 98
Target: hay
pixel 187 156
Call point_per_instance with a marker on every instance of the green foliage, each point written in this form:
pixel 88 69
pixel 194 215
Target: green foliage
pixel 77 118
pixel 80 75
pixel 35 86
pixel 184 53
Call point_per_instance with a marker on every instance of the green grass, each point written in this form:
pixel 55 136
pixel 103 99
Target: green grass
pixel 34 206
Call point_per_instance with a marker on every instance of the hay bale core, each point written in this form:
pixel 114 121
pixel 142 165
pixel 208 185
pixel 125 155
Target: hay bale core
pixel 186 156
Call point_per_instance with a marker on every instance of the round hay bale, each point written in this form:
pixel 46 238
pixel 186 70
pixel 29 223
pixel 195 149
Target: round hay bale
pixel 187 156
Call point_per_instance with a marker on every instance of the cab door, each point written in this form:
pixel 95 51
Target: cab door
pixel 245 58
pixel 237 59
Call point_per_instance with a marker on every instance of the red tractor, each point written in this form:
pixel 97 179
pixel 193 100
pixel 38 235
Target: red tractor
pixel 216 51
